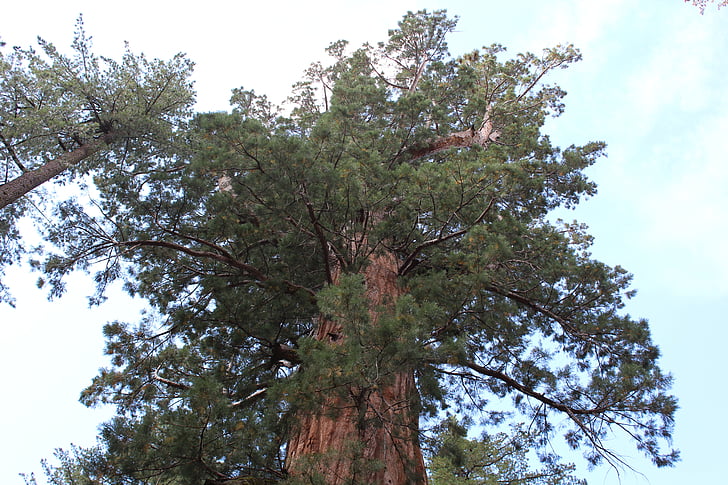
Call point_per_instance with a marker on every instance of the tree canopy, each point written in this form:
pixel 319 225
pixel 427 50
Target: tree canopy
pixel 500 458
pixel 382 249
pixel 63 116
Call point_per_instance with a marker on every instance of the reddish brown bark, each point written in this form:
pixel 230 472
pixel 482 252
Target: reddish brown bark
pixel 370 436
pixel 365 436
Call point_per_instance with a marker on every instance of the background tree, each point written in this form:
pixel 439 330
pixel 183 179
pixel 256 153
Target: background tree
pixel 58 111
pixel 323 281
pixel 493 459
pixel 79 114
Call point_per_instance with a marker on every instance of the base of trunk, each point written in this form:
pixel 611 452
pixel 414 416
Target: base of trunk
pixel 363 435
pixel 371 437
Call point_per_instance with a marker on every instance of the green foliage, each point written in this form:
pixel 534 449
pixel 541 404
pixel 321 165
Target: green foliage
pixel 78 466
pixel 254 227
pixel 491 460
pixel 52 104
pixel 11 244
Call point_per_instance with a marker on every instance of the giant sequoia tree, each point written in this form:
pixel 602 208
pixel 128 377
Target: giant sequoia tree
pixel 324 282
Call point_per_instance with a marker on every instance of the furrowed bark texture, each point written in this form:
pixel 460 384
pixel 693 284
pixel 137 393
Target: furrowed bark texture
pixel 371 435
pixel 21 185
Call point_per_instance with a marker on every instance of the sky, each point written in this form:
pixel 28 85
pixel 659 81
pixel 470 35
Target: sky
pixel 652 85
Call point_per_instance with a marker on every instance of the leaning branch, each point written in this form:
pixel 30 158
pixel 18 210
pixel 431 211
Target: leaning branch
pixel 253 396
pixel 222 258
pixel 21 185
pixel 506 379
pixel 482 137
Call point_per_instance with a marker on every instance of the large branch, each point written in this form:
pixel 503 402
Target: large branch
pixel 577 415
pixel 18 187
pixel 409 263
pixel 170 383
pixel 223 258
pixel 566 325
pixel 325 246
pixel 511 382
pixel 482 137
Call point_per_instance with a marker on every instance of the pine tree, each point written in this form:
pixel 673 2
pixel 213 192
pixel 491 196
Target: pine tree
pixel 501 458
pixel 63 117
pixel 324 281
pixel 58 111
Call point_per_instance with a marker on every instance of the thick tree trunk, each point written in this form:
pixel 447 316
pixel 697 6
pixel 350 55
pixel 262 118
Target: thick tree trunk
pixel 370 436
pixel 19 186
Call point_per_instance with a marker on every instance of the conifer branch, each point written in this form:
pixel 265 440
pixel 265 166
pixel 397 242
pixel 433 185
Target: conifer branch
pixel 258 275
pixel 482 137
pixel 170 383
pixel 565 324
pixel 409 263
pixel 12 153
pixel 253 396
pixel 29 180
pixel 532 393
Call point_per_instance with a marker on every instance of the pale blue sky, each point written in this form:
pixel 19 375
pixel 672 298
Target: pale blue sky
pixel 652 85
